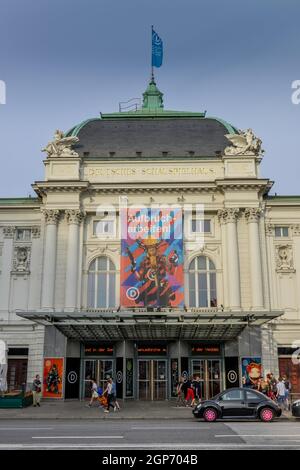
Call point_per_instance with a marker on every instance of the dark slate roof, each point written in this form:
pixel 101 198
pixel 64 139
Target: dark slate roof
pixel 161 138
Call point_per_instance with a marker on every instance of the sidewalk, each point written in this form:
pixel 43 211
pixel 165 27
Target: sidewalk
pixel 75 410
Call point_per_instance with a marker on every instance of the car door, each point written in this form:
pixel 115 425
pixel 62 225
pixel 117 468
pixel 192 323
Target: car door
pixel 252 402
pixel 232 403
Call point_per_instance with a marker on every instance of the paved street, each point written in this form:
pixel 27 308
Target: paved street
pixel 147 434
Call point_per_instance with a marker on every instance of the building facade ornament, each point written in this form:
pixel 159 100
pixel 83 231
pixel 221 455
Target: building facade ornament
pixel 74 216
pixel 9 232
pixel 51 216
pixel 231 215
pixel 253 214
pixel 21 260
pixel 269 229
pixel 221 215
pixel 61 146
pixel 36 232
pixel 296 230
pixel 284 259
pixel 244 143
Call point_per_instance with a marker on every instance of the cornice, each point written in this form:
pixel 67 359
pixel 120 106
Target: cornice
pixel 240 184
pixel 44 187
pixel 149 188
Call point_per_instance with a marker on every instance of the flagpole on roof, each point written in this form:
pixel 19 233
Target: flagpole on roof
pixel 152 68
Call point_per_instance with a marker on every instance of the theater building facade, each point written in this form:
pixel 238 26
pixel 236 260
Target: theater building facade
pixel 214 292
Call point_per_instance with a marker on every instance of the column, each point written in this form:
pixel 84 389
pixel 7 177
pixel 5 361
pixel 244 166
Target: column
pixel 296 248
pixel 34 298
pixel 221 218
pixel 234 288
pixel 74 218
pixel 252 216
pixel 5 278
pixel 51 219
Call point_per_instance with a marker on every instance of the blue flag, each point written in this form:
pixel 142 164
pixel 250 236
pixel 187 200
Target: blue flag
pixel 157 50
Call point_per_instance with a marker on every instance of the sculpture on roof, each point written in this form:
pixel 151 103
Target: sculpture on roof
pixel 61 146
pixel 244 143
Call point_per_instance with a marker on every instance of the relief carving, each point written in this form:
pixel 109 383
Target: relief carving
pixel 21 260
pixel 284 259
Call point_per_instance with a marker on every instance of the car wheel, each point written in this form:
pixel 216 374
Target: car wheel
pixel 210 415
pixel 266 415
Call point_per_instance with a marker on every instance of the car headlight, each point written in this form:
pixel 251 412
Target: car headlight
pixel 297 403
pixel 198 406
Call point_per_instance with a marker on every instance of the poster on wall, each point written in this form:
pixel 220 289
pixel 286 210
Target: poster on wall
pixel 152 257
pixel 129 377
pixel 53 377
pixel 251 371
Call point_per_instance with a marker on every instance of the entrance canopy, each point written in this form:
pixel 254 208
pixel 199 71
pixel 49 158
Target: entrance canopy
pixel 141 324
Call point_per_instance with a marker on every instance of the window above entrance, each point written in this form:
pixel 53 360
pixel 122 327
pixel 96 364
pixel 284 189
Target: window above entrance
pixel 102 283
pixel 202 283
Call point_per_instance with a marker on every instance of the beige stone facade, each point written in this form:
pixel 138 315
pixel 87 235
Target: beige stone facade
pixel 47 244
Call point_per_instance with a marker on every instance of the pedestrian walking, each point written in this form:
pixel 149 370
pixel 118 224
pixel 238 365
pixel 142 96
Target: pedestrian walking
pixel 94 392
pixel 287 392
pixel 190 395
pixel 110 396
pixel 180 394
pixel 184 387
pixel 281 392
pixel 197 388
pixel 37 391
pixel 114 396
pixel 272 386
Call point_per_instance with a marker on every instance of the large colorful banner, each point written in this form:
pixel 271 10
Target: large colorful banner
pixel 152 257
pixel 251 371
pixel 53 377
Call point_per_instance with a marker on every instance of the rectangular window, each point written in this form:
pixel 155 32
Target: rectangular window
pixel 200 226
pixel 102 291
pixel 91 290
pixel 202 286
pixel 281 231
pixel 104 228
pixel 23 234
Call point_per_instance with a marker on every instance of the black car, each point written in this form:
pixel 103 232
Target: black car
pixel 296 409
pixel 238 403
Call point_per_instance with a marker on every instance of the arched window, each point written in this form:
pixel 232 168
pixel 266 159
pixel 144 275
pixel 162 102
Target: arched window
pixel 102 283
pixel 202 283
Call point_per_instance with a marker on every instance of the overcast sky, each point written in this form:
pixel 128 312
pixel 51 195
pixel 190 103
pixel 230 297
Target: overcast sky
pixel 64 61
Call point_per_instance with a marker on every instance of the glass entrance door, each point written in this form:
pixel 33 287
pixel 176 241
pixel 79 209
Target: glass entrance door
pixel 152 379
pixel 209 372
pixel 99 369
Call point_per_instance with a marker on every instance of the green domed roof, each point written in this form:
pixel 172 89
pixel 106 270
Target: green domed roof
pixel 152 132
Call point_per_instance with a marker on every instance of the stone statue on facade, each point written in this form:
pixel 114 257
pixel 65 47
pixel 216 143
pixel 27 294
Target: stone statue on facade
pixel 61 146
pixel 244 143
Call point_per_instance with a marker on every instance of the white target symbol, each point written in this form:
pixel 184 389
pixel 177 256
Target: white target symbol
pixel 72 377
pixel 132 293
pixel 119 377
pixel 232 376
